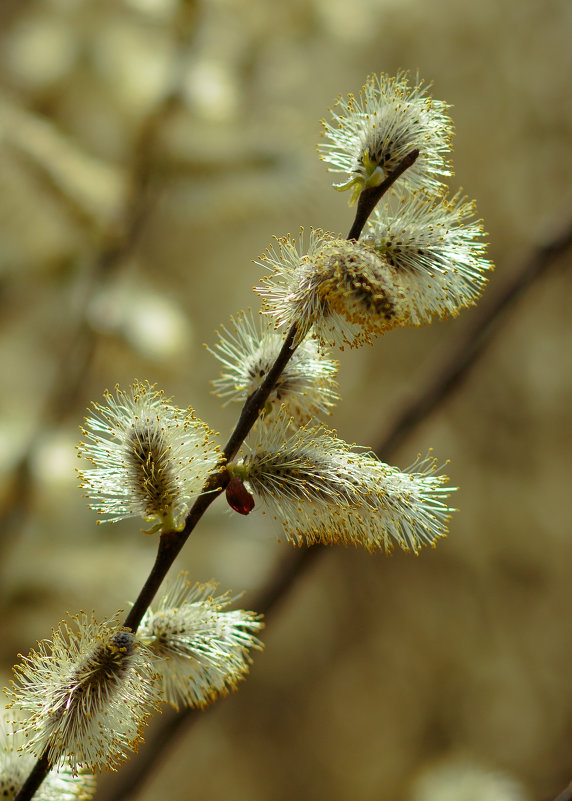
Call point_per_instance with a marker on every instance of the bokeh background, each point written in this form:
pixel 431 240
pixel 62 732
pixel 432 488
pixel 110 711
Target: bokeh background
pixel 149 150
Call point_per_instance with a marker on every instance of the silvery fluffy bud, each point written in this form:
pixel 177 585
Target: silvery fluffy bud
pixel 151 459
pixel 320 489
pixel 201 649
pixel 85 694
pixel 15 766
pixel 249 347
pixel 369 135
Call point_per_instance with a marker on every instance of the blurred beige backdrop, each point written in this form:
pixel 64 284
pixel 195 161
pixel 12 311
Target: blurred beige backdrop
pixel 149 150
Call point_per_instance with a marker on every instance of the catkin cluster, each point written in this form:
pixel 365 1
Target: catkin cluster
pixel 79 701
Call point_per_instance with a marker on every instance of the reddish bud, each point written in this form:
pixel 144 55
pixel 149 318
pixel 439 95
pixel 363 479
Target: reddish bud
pixel 238 497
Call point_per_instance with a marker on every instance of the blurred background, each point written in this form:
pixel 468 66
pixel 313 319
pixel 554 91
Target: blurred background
pixel 149 150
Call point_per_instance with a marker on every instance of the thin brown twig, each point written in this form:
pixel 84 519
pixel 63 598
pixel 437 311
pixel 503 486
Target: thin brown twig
pixel 455 367
pixel 370 197
pixel 566 794
pixel 171 542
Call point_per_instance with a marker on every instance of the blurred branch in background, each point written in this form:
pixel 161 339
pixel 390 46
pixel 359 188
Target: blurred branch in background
pixel 111 207
pixel 454 368
pixel 492 310
pixel 566 794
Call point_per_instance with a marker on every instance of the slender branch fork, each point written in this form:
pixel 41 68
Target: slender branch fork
pixel 171 542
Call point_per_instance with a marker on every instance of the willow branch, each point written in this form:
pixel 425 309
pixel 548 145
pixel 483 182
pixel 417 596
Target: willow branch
pixel 171 543
pixel 455 367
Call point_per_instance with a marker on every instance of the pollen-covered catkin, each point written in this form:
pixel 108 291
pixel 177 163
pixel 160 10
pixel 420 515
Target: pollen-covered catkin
pixel 201 649
pixel 320 489
pixel 341 291
pixel 85 694
pixel 15 765
pixel 249 347
pixel 151 459
pixel 370 134
pixel 434 249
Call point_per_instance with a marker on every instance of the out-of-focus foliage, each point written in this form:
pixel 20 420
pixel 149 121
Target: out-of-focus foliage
pixel 149 150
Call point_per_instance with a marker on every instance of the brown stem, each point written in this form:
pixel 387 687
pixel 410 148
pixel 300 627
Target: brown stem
pixel 370 197
pixel 255 403
pixel 35 779
pixel 171 542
